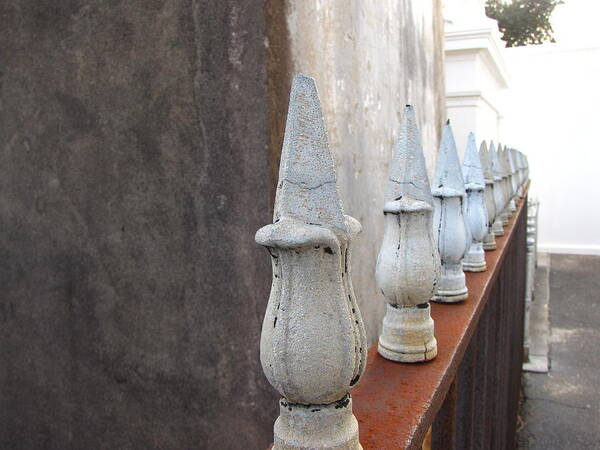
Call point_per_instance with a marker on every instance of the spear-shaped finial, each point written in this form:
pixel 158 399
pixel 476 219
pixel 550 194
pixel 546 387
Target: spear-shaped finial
pixel 449 224
pixel 489 241
pixel 511 179
pixel 313 344
pixel 476 216
pixel 497 226
pixel 408 262
pixel 519 172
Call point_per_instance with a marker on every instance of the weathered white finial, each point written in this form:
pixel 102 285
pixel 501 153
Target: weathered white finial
pixel 313 347
pixel 531 264
pixel 512 189
pixel 489 241
pixel 505 215
pixel 506 181
pixel 520 172
pixel 477 217
pixel 497 226
pixel 408 265
pixel 449 227
pixel 512 159
pixel 524 171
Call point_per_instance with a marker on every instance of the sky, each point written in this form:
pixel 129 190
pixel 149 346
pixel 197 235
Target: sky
pixel 576 22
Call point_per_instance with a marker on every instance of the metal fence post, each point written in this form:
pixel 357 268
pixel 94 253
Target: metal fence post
pixel 532 215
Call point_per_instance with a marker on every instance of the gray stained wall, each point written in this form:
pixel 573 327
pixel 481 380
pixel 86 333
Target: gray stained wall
pixel 139 146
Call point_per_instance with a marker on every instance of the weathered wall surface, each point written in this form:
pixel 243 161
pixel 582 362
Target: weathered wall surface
pixel 133 176
pixel 138 146
pixel 369 59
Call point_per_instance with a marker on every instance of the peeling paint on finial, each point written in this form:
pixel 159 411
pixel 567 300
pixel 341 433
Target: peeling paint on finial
pixel 449 224
pixel 408 264
pixel 489 241
pixel 497 226
pixel 476 214
pixel 313 345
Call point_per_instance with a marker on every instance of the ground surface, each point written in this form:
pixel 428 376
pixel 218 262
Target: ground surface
pixel 562 408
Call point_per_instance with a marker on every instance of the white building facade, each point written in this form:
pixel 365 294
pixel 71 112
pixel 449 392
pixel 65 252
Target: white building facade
pixel 540 99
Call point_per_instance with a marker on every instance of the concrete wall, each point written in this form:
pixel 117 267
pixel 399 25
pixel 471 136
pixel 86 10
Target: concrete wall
pixel 139 145
pixel 553 118
pixel 133 140
pixel 369 59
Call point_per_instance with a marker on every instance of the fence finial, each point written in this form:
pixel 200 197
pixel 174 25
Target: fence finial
pixel 517 158
pixel 450 229
pixel 512 189
pixel 313 346
pixel 497 226
pixel 408 265
pixel 516 174
pixel 521 173
pixel 489 241
pixel 477 217
pixel 504 183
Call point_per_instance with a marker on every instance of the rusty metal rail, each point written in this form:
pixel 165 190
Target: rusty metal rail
pixel 468 396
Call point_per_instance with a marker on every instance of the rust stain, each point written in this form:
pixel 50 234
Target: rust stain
pixel 395 404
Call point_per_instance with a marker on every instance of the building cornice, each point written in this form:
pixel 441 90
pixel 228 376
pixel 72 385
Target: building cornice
pixel 469 98
pixel 484 41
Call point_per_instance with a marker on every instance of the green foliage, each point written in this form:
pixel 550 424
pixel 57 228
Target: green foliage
pixel 523 22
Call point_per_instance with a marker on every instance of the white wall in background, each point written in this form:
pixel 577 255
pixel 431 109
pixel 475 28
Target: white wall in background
pixel 554 118
pixel 475 72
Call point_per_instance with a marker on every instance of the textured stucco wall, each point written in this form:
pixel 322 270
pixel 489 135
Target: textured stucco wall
pixel 138 146
pixel 369 59
pixel 133 176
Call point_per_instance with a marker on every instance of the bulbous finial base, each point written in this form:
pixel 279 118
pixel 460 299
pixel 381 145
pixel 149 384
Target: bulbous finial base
pixel 331 426
pixel 497 227
pixel 474 260
pixel 489 242
pixel 451 287
pixel 407 334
